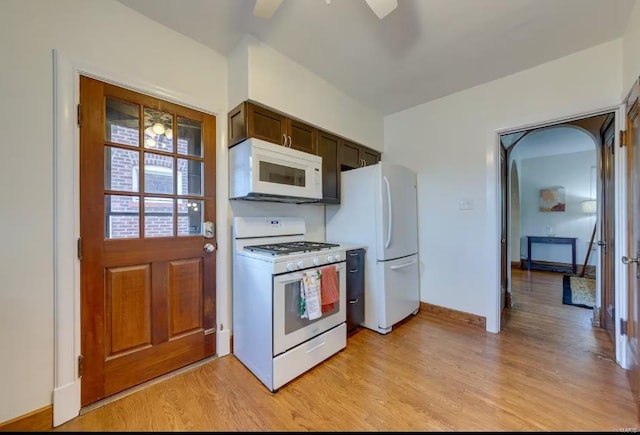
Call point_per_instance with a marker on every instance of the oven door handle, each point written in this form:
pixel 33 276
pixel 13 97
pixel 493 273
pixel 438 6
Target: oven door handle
pixel 289 277
pixel 297 276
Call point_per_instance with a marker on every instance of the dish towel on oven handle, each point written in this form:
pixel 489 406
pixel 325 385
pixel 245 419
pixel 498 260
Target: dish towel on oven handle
pixel 329 290
pixel 310 302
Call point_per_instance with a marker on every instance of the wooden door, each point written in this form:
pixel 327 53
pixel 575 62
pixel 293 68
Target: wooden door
pixel 147 186
pixel 302 137
pixel 633 236
pixel 328 146
pixel 266 124
pixel 607 233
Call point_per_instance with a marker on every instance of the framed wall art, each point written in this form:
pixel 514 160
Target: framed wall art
pixel 552 199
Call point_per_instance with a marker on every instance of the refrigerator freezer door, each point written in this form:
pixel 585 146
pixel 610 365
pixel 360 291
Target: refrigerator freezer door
pixel 397 233
pixel 400 294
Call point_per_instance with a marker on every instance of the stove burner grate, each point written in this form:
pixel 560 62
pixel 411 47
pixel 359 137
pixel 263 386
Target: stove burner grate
pixel 290 247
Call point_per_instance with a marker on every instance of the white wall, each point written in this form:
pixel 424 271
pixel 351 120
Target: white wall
pixel 278 82
pixel 573 172
pixel 631 47
pixel 124 45
pixel 113 38
pixel 451 144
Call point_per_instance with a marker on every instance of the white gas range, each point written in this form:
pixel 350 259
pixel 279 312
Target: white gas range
pixel 270 337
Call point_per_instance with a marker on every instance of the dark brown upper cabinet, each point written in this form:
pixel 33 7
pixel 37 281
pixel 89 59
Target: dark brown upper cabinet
pixel 328 149
pixel 354 156
pixel 251 120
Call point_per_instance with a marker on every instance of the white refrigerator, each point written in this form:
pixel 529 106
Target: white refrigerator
pixel 378 210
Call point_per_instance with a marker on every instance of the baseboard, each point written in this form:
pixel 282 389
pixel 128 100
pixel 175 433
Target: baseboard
pixel 66 403
pixel 458 316
pixel 517 264
pixel 224 342
pixel 40 420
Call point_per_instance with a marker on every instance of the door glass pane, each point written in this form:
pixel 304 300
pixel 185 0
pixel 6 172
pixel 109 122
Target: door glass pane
pixel 189 137
pixel 274 173
pixel 189 217
pixel 122 216
pixel 121 169
pixel 158 217
pixel 158 173
pixel 158 130
pixel 122 123
pixel 190 177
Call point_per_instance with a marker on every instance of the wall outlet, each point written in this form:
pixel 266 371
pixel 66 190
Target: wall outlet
pixel 466 204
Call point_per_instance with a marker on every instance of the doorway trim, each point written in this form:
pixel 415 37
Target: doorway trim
pixel 66 218
pixel 494 180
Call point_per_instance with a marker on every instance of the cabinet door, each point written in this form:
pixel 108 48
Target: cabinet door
pixel 328 150
pixel 303 136
pixel 349 156
pixel 237 124
pixel 370 157
pixel 355 288
pixel 265 124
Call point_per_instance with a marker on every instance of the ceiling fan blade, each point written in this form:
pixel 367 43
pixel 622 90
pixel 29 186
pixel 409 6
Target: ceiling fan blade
pixel 382 8
pixel 266 8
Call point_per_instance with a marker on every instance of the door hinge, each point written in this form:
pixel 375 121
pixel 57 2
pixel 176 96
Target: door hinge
pixel 79 248
pixel 80 365
pixel 79 116
pixel 623 327
pixel 623 138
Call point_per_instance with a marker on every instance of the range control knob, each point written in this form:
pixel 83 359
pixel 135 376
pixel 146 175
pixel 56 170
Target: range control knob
pixel 330 258
pixel 300 264
pixel 337 257
pixel 289 267
pixel 316 261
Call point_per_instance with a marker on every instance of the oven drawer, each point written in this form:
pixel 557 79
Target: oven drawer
pixel 298 360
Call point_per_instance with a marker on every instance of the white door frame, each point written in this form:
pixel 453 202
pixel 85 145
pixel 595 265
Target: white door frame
pixel 619 218
pixel 66 139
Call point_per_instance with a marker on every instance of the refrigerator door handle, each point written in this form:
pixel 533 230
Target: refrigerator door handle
pixel 401 266
pixel 388 242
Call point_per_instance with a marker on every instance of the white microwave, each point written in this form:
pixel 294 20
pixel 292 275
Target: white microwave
pixel 263 171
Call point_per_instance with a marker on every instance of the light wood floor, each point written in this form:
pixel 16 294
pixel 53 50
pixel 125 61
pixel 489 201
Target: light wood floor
pixel 547 370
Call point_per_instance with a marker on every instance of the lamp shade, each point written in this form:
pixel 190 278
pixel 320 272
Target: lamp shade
pixel 589 206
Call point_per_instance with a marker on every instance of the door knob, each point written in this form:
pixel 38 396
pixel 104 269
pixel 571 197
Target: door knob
pixel 209 247
pixel 627 260
pixel 602 243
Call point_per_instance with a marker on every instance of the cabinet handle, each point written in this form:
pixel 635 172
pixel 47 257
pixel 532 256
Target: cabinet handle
pixel 353 301
pixel 353 270
pixel 290 141
pixel 284 139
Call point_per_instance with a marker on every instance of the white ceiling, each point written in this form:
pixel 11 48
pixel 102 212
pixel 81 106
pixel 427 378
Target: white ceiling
pixel 424 49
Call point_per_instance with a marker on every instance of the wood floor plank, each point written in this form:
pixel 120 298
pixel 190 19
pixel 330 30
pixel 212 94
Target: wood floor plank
pixel 547 370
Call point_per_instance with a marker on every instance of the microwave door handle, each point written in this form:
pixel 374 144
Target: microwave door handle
pixel 390 223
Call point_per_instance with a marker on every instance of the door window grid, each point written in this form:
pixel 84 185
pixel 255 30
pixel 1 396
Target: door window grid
pixel 123 212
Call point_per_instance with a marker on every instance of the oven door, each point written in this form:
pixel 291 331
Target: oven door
pixel 289 329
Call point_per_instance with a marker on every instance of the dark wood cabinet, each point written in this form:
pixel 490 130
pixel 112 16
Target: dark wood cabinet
pixel 252 120
pixel 249 119
pixel 328 146
pixel 354 156
pixel 355 288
